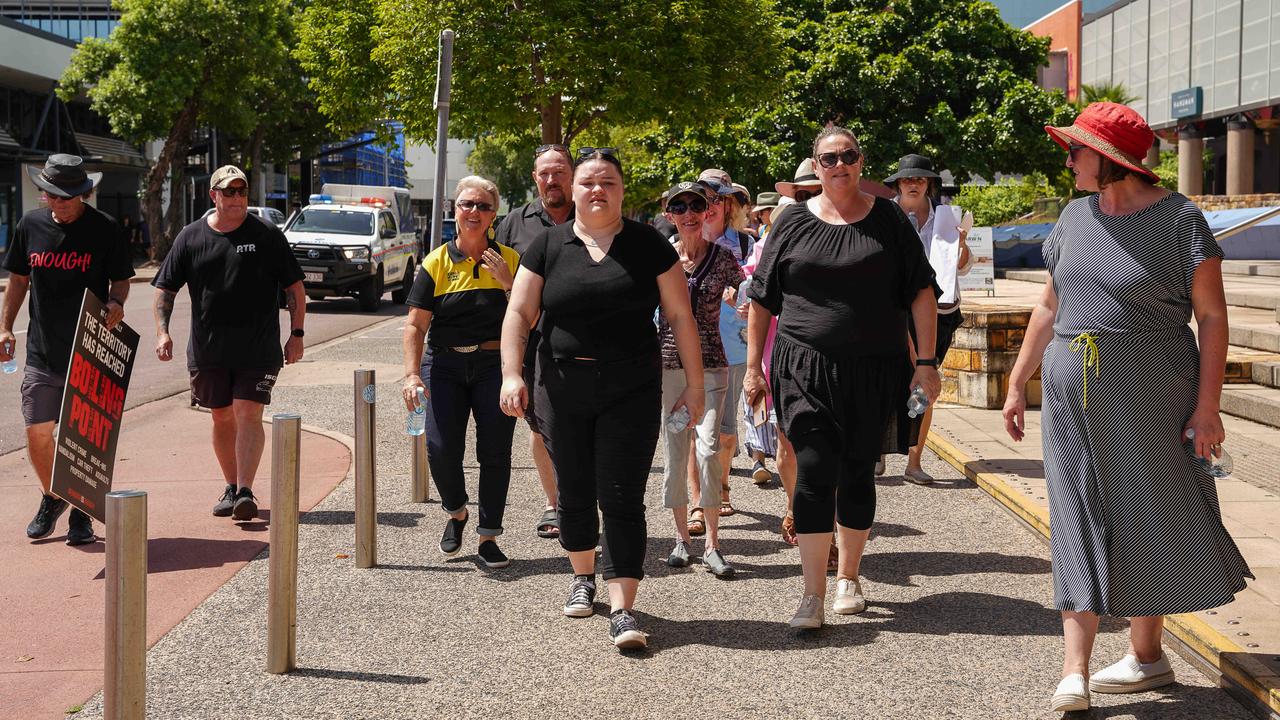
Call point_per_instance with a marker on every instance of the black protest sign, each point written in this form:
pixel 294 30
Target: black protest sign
pixel 92 405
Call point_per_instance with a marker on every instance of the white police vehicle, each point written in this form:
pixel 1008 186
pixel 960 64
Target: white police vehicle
pixel 356 240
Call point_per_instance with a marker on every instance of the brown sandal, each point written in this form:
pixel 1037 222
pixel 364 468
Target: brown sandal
pixel 726 509
pixel 697 525
pixel 789 530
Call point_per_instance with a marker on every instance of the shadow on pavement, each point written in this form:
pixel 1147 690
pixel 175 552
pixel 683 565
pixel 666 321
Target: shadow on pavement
pixel 1010 466
pixel 741 634
pixel 348 517
pixel 896 568
pixel 939 483
pixel 880 529
pixel 328 674
pixel 968 613
pixel 351 306
pixel 184 553
pixel 1175 702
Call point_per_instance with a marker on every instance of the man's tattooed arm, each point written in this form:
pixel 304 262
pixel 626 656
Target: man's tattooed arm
pixel 163 309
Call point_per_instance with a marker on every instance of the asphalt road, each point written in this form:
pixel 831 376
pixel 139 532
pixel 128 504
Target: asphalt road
pixel 152 379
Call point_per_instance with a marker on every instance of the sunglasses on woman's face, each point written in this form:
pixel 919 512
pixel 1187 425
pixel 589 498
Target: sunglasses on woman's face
pixel 848 157
pixel 1074 148
pixel 803 195
pixel 473 205
pixel 693 204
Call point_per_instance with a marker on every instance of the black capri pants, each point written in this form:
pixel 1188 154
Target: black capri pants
pixel 600 420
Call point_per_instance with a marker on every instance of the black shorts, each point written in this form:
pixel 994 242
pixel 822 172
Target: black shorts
pixel 41 395
pixel 215 388
pixel 948 323
pixel 529 418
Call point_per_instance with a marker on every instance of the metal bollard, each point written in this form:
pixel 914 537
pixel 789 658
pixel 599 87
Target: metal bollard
pixel 366 475
pixel 282 589
pixel 125 671
pixel 421 479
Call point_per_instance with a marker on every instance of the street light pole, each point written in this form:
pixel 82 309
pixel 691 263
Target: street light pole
pixel 444 80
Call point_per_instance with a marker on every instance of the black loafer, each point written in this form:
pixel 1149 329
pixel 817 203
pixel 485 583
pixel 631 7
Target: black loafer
pixel 451 540
pixel 492 556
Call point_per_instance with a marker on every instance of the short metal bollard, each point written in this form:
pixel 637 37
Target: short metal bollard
pixel 282 588
pixel 366 471
pixel 421 479
pixel 125 671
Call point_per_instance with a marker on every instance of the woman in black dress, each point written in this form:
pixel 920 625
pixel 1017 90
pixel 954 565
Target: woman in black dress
pixel 593 286
pixel 842 271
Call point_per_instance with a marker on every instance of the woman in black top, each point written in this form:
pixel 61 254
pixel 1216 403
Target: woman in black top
pixel 597 282
pixel 841 271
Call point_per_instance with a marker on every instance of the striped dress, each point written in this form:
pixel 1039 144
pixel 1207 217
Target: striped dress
pixel 1136 527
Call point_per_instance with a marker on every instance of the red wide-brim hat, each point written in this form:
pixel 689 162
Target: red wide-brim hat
pixel 1115 131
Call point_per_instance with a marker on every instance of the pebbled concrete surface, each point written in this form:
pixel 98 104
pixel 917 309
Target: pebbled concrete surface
pixel 960 624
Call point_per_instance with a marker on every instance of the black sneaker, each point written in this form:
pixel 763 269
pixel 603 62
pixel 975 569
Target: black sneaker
pixel 246 507
pixel 228 501
pixel 625 632
pixel 491 555
pixel 451 540
pixel 51 508
pixel 582 597
pixel 80 528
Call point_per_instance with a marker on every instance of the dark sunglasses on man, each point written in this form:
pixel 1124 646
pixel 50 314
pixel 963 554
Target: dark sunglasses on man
pixel 473 205
pixel 680 207
pixel 848 157
pixel 242 191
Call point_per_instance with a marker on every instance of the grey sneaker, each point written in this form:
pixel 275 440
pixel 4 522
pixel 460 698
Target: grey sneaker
pixel 809 615
pixel 849 598
pixel 228 501
pixel 625 632
pixel 716 564
pixel 582 597
pixel 246 507
pixel 760 474
pixel 679 556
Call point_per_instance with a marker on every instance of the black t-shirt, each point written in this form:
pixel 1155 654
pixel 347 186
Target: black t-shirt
pixel 62 262
pixel 235 280
pixel 519 228
pixel 600 310
pixel 844 289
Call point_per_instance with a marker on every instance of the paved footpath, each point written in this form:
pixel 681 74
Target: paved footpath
pixel 960 624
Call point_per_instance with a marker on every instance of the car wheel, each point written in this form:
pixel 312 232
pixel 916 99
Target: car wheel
pixel 371 292
pixel 400 294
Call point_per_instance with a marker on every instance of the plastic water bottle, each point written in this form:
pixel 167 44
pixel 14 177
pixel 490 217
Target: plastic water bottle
pixel 1218 466
pixel 417 422
pixel 917 403
pixel 678 420
pixel 10 366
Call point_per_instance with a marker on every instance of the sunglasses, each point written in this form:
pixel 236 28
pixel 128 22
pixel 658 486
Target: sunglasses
pixel 848 157
pixel 1074 148
pixel 473 205
pixel 549 147
pixel 803 195
pixel 693 204
pixel 234 191
pixel 607 154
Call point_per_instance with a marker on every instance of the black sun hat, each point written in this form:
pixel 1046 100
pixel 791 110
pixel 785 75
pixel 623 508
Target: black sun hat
pixel 63 175
pixel 912 166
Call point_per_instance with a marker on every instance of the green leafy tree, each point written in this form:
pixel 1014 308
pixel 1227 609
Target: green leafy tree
pixel 1006 201
pixel 507 161
pixel 944 78
pixel 172 66
pixel 1105 92
pixel 551 70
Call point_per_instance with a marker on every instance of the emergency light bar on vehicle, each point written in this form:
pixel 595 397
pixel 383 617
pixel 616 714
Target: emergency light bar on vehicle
pixel 322 199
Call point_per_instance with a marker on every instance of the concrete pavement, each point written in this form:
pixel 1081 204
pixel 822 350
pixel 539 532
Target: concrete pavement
pixel 960 624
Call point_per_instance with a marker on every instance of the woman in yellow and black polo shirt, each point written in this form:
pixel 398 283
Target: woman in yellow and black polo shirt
pixel 457 303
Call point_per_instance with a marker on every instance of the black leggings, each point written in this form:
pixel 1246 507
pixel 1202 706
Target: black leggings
pixel 827 474
pixel 599 421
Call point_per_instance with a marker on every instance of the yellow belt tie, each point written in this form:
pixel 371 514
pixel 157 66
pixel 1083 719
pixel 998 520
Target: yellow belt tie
pixel 1089 344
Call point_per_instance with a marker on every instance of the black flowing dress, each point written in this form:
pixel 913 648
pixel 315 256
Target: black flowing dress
pixel 843 294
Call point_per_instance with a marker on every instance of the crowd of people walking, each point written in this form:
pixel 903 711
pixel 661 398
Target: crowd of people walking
pixel 807 317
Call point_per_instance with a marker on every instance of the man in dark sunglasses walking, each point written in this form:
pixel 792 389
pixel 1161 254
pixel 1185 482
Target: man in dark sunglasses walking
pixel 235 267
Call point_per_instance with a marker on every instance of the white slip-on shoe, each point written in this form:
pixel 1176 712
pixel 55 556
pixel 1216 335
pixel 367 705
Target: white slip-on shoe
pixel 880 466
pixel 849 599
pixel 1071 695
pixel 809 615
pixel 1130 676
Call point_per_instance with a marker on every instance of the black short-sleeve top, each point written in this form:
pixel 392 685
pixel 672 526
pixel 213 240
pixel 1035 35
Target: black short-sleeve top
pixel 602 310
pixel 466 301
pixel 845 289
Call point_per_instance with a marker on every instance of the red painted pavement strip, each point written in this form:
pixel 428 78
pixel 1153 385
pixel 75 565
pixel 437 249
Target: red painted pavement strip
pixel 52 595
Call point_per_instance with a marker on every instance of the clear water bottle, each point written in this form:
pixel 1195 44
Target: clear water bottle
pixel 416 424
pixel 10 366
pixel 917 403
pixel 1219 465
pixel 678 420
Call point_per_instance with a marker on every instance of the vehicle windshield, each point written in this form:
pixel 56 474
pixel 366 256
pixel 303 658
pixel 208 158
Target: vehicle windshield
pixel 340 222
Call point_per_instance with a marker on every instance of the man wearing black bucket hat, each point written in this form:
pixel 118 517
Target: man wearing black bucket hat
pixel 58 252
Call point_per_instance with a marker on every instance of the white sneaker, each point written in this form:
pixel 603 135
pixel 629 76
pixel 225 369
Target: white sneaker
pixel 1130 676
pixel 809 615
pixel 849 598
pixel 1071 695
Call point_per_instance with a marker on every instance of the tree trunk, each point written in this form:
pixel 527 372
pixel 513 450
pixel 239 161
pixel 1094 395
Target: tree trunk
pixel 552 116
pixel 175 148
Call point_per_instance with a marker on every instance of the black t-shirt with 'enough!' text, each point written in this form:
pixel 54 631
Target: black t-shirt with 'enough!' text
pixel 235 280
pixel 64 260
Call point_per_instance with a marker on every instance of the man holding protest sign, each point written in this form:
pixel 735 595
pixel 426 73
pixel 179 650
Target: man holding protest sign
pixel 234 266
pixel 58 252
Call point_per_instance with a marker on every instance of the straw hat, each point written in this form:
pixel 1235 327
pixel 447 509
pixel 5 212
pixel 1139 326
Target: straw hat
pixel 805 177
pixel 1115 131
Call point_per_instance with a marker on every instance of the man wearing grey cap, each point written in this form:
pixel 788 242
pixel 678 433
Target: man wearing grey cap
pixel 234 265
pixel 58 252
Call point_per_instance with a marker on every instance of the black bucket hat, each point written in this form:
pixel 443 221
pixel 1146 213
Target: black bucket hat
pixel 63 175
pixel 912 166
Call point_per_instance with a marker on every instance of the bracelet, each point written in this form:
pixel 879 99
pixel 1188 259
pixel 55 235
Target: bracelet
pixel 931 362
